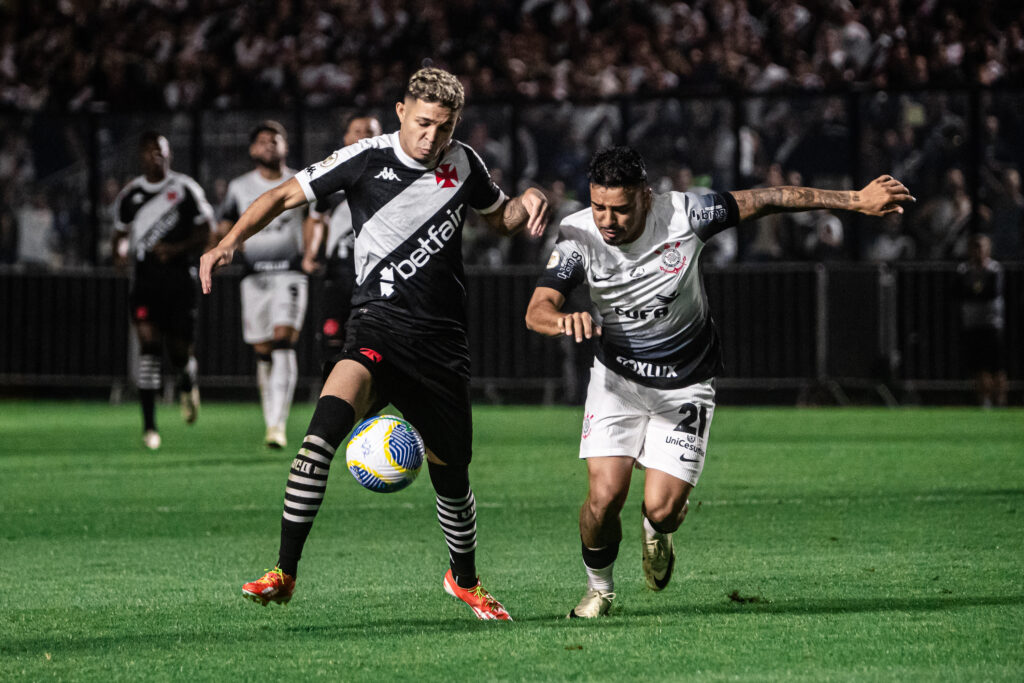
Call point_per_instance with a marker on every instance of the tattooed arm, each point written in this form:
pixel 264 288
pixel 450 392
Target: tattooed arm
pixel 881 196
pixel 530 209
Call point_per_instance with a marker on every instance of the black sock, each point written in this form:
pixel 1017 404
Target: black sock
pixel 147 398
pixel 456 512
pixel 307 480
pixel 600 558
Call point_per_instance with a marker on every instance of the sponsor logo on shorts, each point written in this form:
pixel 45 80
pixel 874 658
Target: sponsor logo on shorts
pixel 686 445
pixel 645 369
pixel 587 424
pixel 371 354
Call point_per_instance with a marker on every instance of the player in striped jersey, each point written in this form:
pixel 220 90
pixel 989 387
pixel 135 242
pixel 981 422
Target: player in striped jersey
pixel 409 193
pixel 274 288
pixel 163 221
pixel 651 395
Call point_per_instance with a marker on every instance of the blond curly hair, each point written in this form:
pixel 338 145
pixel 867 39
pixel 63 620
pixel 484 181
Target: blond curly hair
pixel 436 85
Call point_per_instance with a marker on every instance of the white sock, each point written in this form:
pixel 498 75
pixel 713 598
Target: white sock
pixel 651 531
pixel 263 368
pixel 600 579
pixel 283 376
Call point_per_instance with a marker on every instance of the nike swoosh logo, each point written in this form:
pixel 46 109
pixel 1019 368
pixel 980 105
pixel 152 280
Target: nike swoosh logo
pixel 602 279
pixel 683 458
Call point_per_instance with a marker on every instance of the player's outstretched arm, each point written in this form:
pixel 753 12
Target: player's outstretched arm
pixel 266 208
pixel 882 196
pixel 529 210
pixel 544 315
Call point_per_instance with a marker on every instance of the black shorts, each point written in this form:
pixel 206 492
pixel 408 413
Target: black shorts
pixel 426 377
pixel 167 299
pixel 984 350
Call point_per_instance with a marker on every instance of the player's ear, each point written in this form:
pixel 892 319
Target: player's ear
pixel 400 110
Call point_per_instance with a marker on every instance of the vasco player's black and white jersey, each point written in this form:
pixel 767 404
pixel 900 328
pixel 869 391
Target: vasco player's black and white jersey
pixel 276 247
pixel 649 296
pixel 340 242
pixel 166 211
pixel 408 221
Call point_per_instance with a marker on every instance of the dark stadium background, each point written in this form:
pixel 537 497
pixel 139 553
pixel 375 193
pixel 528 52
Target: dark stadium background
pixel 716 94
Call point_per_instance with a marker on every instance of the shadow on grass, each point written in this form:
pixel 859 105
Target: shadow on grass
pixel 626 617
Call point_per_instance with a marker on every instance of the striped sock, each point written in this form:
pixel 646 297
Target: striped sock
pixel 458 522
pixel 307 479
pixel 148 382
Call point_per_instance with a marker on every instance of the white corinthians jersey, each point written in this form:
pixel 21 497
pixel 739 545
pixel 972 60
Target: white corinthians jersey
pixel 649 296
pixel 407 221
pixel 278 246
pixel 167 211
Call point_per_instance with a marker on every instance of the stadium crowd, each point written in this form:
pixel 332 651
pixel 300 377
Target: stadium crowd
pixel 220 54
pixel 561 63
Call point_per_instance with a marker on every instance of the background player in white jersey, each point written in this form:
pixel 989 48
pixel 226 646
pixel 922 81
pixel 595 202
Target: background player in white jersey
pixel 274 290
pixel 328 230
pixel 651 395
pixel 162 223
pixel 409 193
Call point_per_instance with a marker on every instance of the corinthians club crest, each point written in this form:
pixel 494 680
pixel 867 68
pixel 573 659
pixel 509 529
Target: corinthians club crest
pixel 671 260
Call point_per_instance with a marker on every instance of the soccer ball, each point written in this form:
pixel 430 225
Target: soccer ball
pixel 385 453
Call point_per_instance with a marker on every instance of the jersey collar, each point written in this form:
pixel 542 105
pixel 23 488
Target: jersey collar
pixel 408 160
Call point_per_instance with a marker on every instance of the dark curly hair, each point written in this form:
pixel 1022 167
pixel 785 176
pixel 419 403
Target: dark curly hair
pixel 617 167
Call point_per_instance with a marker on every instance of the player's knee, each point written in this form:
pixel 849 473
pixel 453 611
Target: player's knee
pixel 606 500
pixel 667 513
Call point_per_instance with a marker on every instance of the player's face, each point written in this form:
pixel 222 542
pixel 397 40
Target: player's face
pixel 268 149
pixel 426 129
pixel 358 129
pixel 156 158
pixel 620 213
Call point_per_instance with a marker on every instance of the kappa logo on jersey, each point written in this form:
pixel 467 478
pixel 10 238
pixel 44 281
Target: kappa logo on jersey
pixel 387 174
pixel 671 260
pixel 446 175
pixel 437 237
pixel 714 213
pixel 645 369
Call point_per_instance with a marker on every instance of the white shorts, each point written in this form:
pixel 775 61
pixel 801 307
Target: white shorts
pixel 272 300
pixel 663 429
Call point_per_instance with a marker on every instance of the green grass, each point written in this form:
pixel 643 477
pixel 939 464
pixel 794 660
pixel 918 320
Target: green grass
pixel 859 544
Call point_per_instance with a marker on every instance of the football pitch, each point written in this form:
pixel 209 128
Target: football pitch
pixel 821 544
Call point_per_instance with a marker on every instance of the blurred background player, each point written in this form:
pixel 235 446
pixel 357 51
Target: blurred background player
pixel 982 318
pixel 274 290
pixel 328 231
pixel 651 396
pixel 162 223
pixel 406 343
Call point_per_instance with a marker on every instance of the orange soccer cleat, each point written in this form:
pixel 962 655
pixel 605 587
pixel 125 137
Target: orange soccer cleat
pixel 274 586
pixel 484 606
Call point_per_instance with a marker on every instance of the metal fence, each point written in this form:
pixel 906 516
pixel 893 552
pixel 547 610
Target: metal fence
pixel 816 331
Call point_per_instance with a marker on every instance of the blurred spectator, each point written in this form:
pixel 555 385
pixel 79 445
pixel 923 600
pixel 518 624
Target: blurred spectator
pixel 941 223
pixel 1005 211
pixel 891 243
pixel 37 241
pixel 980 288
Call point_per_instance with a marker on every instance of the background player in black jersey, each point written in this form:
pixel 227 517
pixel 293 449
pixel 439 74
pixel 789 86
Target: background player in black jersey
pixel 163 221
pixel 409 193
pixel 651 396
pixel 982 319
pixel 328 231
